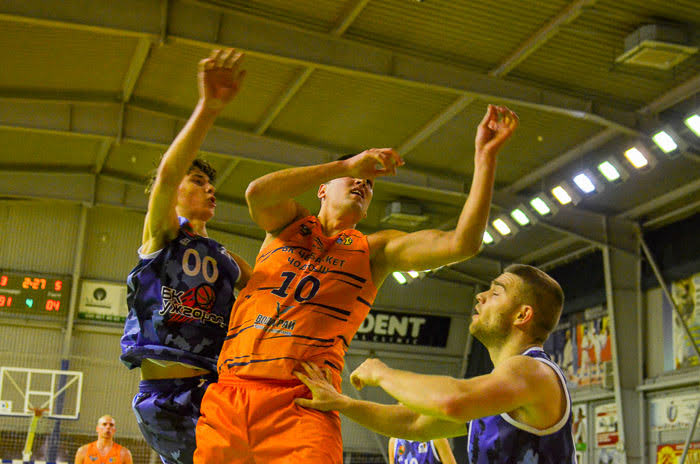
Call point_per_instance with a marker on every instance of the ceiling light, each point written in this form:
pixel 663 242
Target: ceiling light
pixel 399 277
pixel 561 195
pixel 693 123
pixel 488 238
pixel 639 157
pixel 413 274
pixel 543 205
pixel 611 170
pixel 584 183
pixel 520 216
pixel 664 141
pixel 504 226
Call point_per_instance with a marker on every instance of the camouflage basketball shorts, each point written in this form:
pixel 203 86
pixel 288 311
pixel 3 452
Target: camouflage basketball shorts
pixel 167 411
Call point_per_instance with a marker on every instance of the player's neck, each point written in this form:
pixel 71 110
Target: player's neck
pixel 512 346
pixel 104 443
pixel 333 224
pixel 199 227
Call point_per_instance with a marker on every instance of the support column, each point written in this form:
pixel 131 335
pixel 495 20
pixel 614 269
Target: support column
pixel 622 267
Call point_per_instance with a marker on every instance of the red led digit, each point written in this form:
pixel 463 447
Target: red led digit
pixel 2 301
pixel 3 281
pixel 58 285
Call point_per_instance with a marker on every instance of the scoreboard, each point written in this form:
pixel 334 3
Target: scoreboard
pixel 34 294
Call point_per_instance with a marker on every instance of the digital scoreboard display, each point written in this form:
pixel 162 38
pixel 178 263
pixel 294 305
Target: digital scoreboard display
pixel 34 294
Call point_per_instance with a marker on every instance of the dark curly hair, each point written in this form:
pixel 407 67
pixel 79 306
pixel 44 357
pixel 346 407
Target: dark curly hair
pixel 199 163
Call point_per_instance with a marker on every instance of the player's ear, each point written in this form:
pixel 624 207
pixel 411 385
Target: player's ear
pixel 524 314
pixel 321 191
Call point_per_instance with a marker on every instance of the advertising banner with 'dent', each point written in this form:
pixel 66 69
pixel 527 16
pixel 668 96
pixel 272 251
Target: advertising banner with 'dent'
pixel 404 329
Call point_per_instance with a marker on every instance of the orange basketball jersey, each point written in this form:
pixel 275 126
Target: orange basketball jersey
pixel 93 456
pixel 304 302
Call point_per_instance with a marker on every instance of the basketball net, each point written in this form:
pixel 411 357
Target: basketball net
pixel 27 452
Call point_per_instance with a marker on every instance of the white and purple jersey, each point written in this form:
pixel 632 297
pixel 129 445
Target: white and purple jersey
pixel 415 452
pixel 503 440
pixel 180 300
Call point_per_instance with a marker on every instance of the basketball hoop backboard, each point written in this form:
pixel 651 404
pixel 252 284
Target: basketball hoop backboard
pixel 23 390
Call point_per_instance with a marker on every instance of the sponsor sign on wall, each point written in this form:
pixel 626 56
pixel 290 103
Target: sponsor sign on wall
pixel 686 295
pixel 102 301
pixel 404 329
pixel 606 426
pixel 673 412
pixel 671 453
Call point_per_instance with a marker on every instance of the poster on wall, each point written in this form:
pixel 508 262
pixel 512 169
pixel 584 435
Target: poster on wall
pixel 671 453
pixel 579 430
pixel 610 456
pixel 581 346
pixel 686 295
pixel 606 426
pixel 673 412
pixel 102 301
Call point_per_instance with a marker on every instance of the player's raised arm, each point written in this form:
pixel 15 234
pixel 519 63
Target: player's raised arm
pixel 427 249
pixel 219 81
pixel 271 197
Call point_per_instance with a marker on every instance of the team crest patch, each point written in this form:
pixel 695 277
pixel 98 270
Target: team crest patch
pixel 402 450
pixel 93 458
pixel 344 239
pixel 423 447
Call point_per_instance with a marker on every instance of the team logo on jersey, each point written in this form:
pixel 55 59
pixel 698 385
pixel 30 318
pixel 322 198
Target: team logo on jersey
pixel 304 230
pixel 193 304
pixel 344 239
pixel 422 447
pixel 275 324
pixel 402 450
pixel 93 458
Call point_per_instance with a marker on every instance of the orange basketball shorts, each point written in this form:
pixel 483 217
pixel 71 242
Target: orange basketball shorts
pixel 245 421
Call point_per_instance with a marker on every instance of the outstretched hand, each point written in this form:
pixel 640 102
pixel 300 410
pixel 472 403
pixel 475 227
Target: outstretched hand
pixel 495 129
pixel 324 395
pixel 367 373
pixel 374 162
pixel 219 77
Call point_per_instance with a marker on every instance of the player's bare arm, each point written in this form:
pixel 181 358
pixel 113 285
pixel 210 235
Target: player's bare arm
pixel 80 454
pixel 246 270
pixel 271 197
pixel 520 385
pixel 391 420
pixel 442 446
pixel 427 249
pixel 219 81
pixel 125 455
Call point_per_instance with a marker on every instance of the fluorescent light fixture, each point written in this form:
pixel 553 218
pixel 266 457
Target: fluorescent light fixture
pixel 520 217
pixel 504 226
pixel 610 171
pixel 488 238
pixel 584 183
pixel 693 123
pixel 561 195
pixel 399 277
pixel 543 205
pixel 664 141
pixel 639 157
pixel 413 274
pixel 501 226
pixel 491 237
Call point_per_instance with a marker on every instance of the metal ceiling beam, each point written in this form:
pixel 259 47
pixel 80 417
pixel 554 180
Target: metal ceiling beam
pixel 154 127
pixel 288 44
pixel 282 101
pixel 661 201
pixel 547 250
pixel 348 18
pixel 670 98
pixel 529 46
pixel 138 60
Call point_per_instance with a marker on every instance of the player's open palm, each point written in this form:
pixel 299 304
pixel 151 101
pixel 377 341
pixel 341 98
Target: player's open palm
pixel 495 129
pixel 220 77
pixel 324 395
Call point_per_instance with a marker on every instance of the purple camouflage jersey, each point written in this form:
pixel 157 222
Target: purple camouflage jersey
pixel 415 452
pixel 503 440
pixel 180 300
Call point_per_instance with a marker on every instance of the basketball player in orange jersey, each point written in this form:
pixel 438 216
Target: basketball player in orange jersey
pixel 104 450
pixel 313 283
